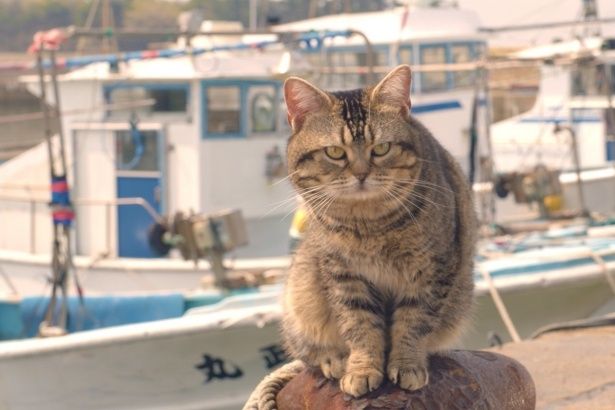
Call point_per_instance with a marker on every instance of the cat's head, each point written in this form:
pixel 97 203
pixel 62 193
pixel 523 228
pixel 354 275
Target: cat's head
pixel 353 146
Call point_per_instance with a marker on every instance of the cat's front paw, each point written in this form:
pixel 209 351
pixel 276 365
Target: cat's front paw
pixel 332 365
pixel 357 382
pixel 407 375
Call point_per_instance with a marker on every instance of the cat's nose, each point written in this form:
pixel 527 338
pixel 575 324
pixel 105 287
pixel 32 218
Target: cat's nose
pixel 361 176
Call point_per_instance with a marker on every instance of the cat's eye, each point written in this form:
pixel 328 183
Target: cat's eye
pixel 381 149
pixel 334 152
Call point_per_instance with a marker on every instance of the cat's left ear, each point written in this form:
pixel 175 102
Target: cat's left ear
pixel 394 89
pixel 303 99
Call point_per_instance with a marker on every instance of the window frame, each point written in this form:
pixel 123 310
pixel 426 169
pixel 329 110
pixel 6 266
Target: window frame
pixel 382 49
pixel 448 78
pixel 245 122
pixel 472 47
pixel 185 86
pixel 451 83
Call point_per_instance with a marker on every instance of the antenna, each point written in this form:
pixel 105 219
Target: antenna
pixel 590 17
pixel 108 43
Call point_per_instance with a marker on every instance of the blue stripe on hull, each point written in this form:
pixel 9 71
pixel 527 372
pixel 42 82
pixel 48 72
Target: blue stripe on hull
pixel 425 108
pixel 547 266
pixel 558 120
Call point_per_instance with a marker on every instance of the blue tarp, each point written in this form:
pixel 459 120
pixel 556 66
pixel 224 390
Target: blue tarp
pixel 103 311
pixel 10 320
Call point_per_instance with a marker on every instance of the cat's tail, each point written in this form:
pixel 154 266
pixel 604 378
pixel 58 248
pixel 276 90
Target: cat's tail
pixel 264 395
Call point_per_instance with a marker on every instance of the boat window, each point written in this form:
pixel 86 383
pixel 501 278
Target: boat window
pixel 609 122
pixel 167 99
pixel 405 56
pixel 587 79
pixel 462 53
pixel 262 106
pixel 223 109
pixel 136 150
pixel 351 67
pixel 433 80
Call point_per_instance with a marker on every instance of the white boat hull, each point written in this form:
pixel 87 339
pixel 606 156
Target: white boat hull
pixel 154 365
pixel 146 366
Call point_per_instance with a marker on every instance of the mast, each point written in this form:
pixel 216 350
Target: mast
pixel 56 317
pixel 590 17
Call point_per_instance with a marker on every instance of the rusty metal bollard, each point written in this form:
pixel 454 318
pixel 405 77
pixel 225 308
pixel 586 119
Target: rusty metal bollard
pixel 458 379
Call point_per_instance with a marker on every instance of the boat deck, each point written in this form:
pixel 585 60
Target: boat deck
pixel 572 369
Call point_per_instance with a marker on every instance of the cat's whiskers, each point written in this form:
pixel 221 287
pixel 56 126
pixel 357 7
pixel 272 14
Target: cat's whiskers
pixel 312 196
pixel 324 208
pixel 405 196
pixel 413 193
pixel 401 203
pixel 285 178
pixel 326 198
pixel 291 199
pixel 418 181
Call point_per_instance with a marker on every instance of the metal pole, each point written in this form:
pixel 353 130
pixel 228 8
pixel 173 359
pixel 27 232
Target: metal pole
pixel 370 55
pixel 253 14
pixel 45 109
pixel 489 176
pixel 577 165
pixel 108 228
pixel 58 110
pixel 32 227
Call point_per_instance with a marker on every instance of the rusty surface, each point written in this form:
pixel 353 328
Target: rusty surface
pixel 458 380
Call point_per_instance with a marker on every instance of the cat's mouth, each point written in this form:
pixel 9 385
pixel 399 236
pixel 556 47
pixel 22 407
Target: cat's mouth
pixel 360 191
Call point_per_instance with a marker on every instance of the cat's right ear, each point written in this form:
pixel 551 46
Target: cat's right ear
pixel 394 89
pixel 302 99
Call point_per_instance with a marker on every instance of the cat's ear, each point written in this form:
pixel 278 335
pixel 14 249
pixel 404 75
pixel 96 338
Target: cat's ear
pixel 394 89
pixel 302 98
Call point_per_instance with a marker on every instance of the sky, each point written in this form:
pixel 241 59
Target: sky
pixel 495 13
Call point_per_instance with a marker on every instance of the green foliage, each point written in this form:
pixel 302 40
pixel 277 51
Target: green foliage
pixel 20 19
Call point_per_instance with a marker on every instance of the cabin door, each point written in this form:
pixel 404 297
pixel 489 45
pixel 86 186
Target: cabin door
pixel 139 173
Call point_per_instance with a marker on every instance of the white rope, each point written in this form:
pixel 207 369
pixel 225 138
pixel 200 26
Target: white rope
pixel 499 304
pixel 605 269
pixel 8 281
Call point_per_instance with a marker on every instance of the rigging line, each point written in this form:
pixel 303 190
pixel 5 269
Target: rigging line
pixel 499 304
pixel 8 281
pixel 536 10
pixel 103 107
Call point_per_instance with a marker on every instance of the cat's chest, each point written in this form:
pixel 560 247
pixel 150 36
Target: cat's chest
pixel 393 277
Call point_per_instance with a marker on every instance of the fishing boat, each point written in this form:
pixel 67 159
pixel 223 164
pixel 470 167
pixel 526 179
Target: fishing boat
pixel 570 127
pixel 213 355
pixel 198 130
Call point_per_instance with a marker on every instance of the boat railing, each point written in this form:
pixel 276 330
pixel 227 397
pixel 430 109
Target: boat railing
pixel 109 204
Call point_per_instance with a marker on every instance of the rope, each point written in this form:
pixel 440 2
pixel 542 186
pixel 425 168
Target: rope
pixel 309 40
pixel 8 281
pixel 605 269
pixel 499 304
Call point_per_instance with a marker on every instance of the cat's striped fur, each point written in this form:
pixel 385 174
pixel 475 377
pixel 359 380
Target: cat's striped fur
pixel 384 274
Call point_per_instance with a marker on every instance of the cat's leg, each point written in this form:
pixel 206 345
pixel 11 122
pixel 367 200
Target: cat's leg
pixel 360 315
pixel 316 350
pixel 412 324
pixel 309 327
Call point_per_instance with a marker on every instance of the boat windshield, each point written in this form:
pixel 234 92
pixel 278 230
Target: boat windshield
pixel 589 79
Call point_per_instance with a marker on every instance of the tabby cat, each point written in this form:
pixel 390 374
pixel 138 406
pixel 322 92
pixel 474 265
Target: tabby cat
pixel 384 274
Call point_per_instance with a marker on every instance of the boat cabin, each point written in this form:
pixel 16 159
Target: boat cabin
pixel 153 137
pixel 577 82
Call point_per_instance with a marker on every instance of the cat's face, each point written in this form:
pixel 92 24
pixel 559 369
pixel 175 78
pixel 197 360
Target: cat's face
pixel 352 146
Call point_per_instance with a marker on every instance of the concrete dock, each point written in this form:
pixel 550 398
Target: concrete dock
pixel 572 369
